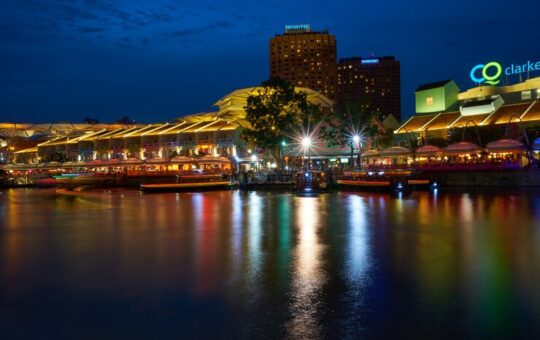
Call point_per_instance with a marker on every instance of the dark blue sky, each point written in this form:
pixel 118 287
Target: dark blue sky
pixel 157 60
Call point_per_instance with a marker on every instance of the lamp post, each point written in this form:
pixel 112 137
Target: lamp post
pixel 283 144
pixel 356 142
pixel 306 145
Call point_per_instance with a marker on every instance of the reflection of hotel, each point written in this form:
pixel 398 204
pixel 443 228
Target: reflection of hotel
pixel 213 134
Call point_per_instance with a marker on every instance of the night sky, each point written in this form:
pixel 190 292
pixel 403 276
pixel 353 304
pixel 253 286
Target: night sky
pixel 157 60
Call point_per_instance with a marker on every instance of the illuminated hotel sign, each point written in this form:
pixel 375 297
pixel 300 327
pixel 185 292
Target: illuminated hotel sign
pixel 370 61
pixel 301 27
pixel 491 72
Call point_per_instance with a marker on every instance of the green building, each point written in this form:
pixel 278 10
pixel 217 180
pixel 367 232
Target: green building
pixel 436 97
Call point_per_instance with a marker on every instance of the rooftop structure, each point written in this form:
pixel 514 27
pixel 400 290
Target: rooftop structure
pixel 481 106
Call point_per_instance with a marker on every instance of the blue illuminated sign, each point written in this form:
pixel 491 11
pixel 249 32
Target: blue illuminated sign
pixel 301 27
pixel 491 72
pixel 370 61
pixel 527 67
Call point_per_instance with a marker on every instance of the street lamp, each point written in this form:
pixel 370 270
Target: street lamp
pixel 306 145
pixel 283 145
pixel 356 142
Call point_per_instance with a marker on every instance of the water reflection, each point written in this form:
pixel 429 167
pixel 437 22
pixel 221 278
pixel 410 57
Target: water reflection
pixel 308 274
pixel 358 252
pixel 237 264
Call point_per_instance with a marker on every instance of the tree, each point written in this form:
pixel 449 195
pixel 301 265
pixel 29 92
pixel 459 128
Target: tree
pixel 89 120
pixel 341 125
pixel 125 120
pixel 274 113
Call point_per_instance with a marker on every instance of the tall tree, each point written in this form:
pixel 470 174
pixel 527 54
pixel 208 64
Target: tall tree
pixel 341 125
pixel 275 113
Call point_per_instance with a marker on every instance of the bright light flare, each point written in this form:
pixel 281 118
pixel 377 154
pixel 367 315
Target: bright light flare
pixel 306 142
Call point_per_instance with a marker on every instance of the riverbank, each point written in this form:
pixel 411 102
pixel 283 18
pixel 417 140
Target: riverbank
pixel 478 178
pixel 486 178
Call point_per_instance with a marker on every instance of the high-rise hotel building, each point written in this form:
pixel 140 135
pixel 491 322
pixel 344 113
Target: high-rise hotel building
pixel 305 58
pixel 373 82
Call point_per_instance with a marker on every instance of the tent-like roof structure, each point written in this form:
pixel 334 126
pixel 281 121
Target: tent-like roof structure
pixel 462 148
pixel 428 150
pixel 520 112
pixel 231 106
pixel 505 145
pixel 395 151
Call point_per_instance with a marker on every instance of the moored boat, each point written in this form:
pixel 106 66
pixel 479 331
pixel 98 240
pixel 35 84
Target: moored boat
pixel 191 182
pixel 311 181
pixel 393 180
pixel 84 179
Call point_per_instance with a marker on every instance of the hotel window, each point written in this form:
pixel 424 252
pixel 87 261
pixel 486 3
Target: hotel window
pixel 429 101
pixel 526 95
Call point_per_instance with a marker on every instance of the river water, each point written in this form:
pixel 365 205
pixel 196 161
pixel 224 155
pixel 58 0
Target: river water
pixel 228 264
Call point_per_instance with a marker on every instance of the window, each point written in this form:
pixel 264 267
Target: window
pixel 526 95
pixel 429 101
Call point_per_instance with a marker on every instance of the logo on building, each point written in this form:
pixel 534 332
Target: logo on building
pixel 489 73
pixel 298 28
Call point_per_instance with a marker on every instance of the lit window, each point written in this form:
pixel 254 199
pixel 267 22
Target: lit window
pixel 429 101
pixel 526 95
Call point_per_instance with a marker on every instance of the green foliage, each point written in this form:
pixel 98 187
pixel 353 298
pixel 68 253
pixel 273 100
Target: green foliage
pixel 386 139
pixel 275 112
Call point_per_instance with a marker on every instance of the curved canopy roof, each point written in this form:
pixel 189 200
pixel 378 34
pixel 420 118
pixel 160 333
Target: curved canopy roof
pixel 462 148
pixel 182 159
pixel 213 159
pixel 505 145
pixel 395 151
pixel 371 153
pixel 428 150
pixel 232 105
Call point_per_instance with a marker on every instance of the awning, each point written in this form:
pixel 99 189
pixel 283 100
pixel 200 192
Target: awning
pixel 371 153
pixel 505 145
pixel 157 160
pixel 462 148
pixel 395 151
pixel 182 159
pixel 213 159
pixel 132 161
pixel 428 151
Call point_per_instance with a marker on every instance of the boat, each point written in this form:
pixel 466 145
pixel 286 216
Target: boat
pixel 308 181
pixel 191 182
pixel 73 180
pixel 391 180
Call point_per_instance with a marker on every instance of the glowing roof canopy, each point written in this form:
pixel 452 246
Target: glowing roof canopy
pixel 232 105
